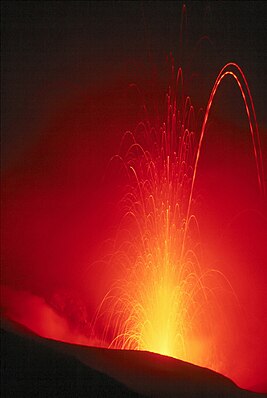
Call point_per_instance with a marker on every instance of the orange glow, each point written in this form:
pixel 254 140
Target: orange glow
pixel 162 246
pixel 166 300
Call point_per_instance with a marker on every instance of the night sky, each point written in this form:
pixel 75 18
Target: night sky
pixel 53 50
pixel 66 101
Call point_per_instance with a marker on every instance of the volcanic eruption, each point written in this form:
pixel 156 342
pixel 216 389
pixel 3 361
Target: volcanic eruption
pixel 132 252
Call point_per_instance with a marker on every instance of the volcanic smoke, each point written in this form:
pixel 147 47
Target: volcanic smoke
pixel 159 295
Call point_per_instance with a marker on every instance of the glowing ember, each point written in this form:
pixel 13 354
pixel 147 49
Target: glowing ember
pixel 183 273
pixel 165 300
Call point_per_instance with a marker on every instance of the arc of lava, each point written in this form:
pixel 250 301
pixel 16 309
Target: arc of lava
pixel 251 118
pixel 253 125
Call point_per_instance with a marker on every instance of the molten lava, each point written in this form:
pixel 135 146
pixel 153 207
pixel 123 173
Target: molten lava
pixel 155 285
pixel 166 301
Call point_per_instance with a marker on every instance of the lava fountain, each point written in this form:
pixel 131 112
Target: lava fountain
pixel 151 289
pixel 164 299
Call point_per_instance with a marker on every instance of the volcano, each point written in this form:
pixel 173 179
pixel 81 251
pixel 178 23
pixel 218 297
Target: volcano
pixel 34 366
pixel 134 198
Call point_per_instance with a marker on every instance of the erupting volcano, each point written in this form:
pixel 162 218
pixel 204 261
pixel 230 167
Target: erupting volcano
pixel 164 294
pixel 153 280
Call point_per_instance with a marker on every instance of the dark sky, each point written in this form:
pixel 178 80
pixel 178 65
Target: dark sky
pixel 66 68
pixel 52 50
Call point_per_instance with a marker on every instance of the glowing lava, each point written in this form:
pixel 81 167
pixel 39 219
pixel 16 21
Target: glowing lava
pixel 165 300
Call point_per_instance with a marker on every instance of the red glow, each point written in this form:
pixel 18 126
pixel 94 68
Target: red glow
pixel 171 267
pixel 165 299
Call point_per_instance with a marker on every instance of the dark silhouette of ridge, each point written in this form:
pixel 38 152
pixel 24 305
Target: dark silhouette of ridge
pixel 36 367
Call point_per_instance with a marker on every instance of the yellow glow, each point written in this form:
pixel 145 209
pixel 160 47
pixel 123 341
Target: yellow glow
pixel 165 300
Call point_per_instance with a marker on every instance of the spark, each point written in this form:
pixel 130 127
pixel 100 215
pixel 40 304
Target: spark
pixel 165 301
